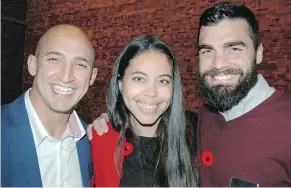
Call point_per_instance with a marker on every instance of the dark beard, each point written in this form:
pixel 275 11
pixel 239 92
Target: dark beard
pixel 222 97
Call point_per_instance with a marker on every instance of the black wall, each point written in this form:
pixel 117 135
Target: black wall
pixel 13 16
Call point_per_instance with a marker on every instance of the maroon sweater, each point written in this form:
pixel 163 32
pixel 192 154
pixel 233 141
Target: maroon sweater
pixel 255 147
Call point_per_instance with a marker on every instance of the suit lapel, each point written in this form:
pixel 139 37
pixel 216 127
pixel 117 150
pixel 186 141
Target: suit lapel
pixel 21 142
pixel 83 161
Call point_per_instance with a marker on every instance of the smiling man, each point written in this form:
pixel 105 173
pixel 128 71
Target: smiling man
pixel 43 140
pixel 245 127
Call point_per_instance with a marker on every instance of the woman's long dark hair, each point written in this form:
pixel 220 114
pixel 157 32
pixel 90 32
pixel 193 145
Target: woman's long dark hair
pixel 175 156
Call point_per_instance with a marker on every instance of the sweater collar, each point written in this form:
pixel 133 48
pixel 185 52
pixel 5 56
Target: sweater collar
pixel 258 94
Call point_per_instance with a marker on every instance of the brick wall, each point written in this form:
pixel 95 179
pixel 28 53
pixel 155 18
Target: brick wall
pixel 113 23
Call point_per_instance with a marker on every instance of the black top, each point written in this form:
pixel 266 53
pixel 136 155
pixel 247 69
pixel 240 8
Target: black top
pixel 140 167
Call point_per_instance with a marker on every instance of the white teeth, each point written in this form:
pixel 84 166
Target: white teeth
pixel 147 106
pixel 224 77
pixel 62 90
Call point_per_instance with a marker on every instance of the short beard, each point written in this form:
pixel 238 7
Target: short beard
pixel 222 97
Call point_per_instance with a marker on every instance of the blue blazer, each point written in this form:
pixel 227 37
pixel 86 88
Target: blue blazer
pixel 19 163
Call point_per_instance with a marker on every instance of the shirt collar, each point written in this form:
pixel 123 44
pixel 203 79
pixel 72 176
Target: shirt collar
pixel 259 93
pixel 74 125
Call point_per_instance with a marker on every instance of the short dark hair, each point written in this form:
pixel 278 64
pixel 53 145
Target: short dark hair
pixel 176 159
pixel 228 10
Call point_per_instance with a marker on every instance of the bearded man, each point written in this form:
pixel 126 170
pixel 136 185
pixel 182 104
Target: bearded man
pixel 244 130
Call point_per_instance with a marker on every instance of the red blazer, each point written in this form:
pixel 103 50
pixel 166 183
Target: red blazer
pixel 103 157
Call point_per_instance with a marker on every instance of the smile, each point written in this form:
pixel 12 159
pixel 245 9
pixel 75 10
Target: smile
pixel 147 107
pixel 62 90
pixel 224 77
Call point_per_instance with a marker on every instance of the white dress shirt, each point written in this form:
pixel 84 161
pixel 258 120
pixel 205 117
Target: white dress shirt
pixel 58 159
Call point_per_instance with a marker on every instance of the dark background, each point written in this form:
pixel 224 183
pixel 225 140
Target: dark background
pixel 13 16
pixel 113 23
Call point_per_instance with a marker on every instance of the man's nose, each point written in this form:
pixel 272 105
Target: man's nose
pixel 66 73
pixel 220 60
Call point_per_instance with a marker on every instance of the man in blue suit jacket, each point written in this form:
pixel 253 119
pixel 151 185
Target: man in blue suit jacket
pixel 43 141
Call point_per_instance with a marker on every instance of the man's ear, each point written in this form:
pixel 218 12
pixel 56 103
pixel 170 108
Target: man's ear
pixel 32 65
pixel 93 76
pixel 259 55
pixel 120 85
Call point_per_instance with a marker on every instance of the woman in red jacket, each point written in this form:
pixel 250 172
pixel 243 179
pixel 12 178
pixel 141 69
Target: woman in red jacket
pixel 146 142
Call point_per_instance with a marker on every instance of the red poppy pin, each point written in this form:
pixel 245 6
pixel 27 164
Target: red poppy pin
pixel 127 148
pixel 207 158
pixel 92 181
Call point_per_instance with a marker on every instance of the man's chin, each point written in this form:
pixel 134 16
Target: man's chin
pixel 63 109
pixel 225 91
pixel 223 98
pixel 220 97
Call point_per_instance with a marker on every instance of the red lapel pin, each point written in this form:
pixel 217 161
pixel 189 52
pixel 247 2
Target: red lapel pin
pixel 127 148
pixel 207 158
